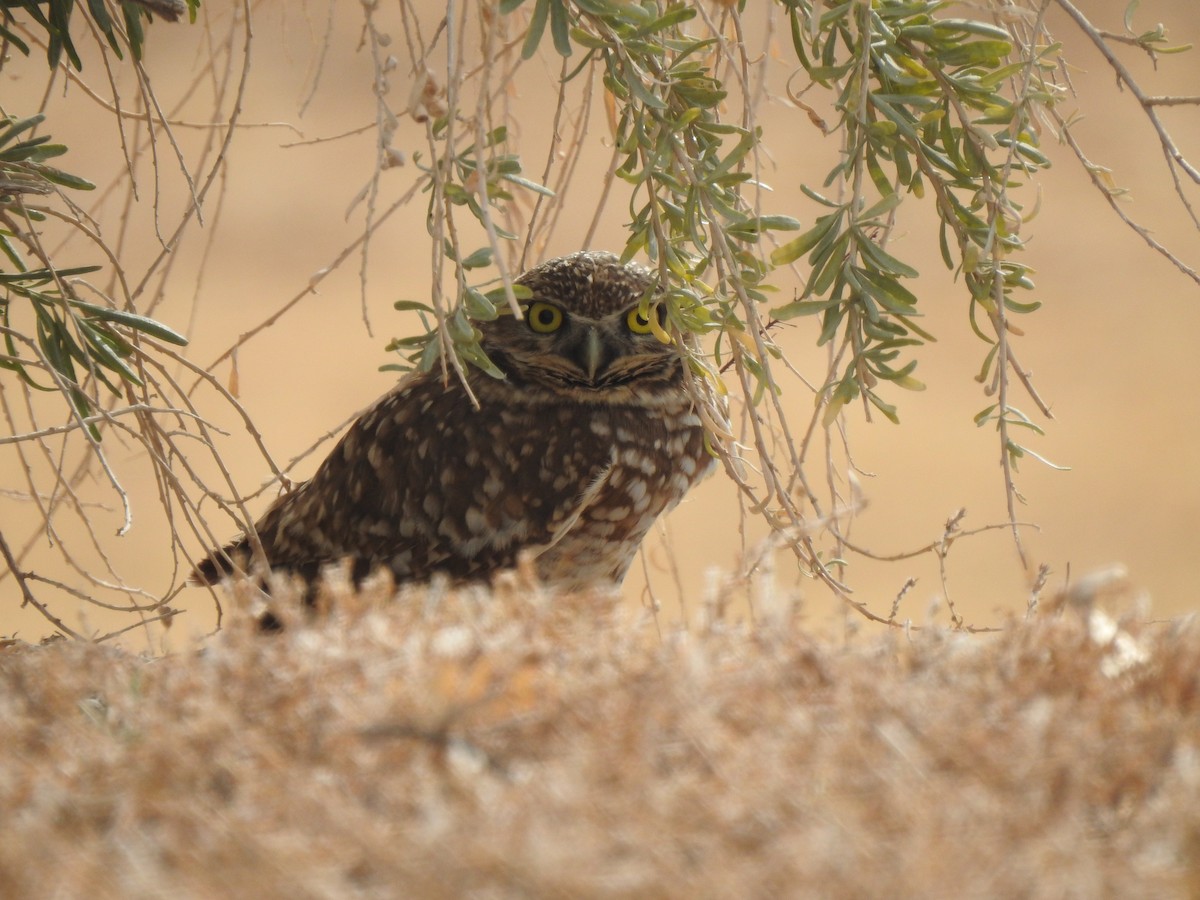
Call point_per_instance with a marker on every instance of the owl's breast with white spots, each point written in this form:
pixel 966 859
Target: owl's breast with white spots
pixel 655 456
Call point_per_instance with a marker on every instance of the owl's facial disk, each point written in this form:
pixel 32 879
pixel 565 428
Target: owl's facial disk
pixel 589 329
pixel 560 349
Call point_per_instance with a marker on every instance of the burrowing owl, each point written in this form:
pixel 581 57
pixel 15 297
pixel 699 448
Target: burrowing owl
pixel 572 456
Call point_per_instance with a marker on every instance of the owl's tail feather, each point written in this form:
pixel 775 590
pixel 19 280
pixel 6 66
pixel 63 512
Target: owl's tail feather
pixel 222 563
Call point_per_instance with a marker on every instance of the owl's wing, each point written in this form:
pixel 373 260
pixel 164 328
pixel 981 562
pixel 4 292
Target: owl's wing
pixel 425 482
pixel 359 503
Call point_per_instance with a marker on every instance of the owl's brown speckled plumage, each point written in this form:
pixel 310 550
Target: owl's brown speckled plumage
pixel 589 438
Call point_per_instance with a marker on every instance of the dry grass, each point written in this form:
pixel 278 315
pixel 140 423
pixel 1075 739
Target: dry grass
pixel 516 744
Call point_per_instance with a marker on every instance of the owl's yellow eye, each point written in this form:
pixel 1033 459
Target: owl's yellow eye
pixel 638 323
pixel 544 318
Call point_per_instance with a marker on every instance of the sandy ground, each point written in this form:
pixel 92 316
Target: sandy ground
pixel 514 745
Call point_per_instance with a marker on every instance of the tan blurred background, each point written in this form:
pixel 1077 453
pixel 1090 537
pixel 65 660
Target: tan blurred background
pixel 1111 349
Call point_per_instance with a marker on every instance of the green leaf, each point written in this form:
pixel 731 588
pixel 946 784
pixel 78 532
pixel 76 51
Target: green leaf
pixel 415 340
pixel 634 83
pixel 985 53
pixel 887 409
pixel 25 149
pixel 971 26
pixel 15 127
pixel 672 17
pixel 474 354
pixel 886 290
pixel 405 305
pixel 44 276
pixel 65 179
pixel 478 306
pixel 537 25
pixel 460 327
pixel 99 14
pixel 14 40
pixel 529 185
pixel 799 308
pixel 788 253
pixel 778 223
pixel 882 184
pixel 498 295
pixel 1017 307
pixel 845 391
pixel 108 354
pixel 827 264
pixel 880 258
pixel 479 259
pixel 133 28
pixel 890 201
pixel 1028 151
pixel 137 322
pixel 559 28
pixel 820 198
pixel 984 414
pixel 47 151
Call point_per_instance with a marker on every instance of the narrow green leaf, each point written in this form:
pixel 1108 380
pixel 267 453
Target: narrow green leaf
pixel 137 322
pixel 47 151
pixel 474 354
pixel 17 126
pixel 497 295
pixel 887 409
pixel 15 41
pixel 820 198
pixel 827 265
pixel 478 306
pixel 830 323
pixel 889 293
pixel 405 305
pixel 1130 10
pixel 480 258
pixel 133 28
pixel 560 30
pixel 429 354
pixel 672 17
pixel 785 254
pixel 972 26
pixel 890 201
pixel 461 329
pixel 1028 151
pixel 537 25
pixel 108 356
pixel 778 223
pixel 25 149
pixel 799 308
pixel 912 326
pixel 984 414
pixel 642 93
pixel 986 53
pixel 66 179
pixel 585 38
pixel 882 184
pixel 405 343
pixel 880 258
pixel 529 185
pixel 1017 307
pixel 44 276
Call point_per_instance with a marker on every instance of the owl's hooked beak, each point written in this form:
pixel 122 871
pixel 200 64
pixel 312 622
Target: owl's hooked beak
pixel 592 356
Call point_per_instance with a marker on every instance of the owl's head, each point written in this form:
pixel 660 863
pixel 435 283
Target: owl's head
pixel 586 330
